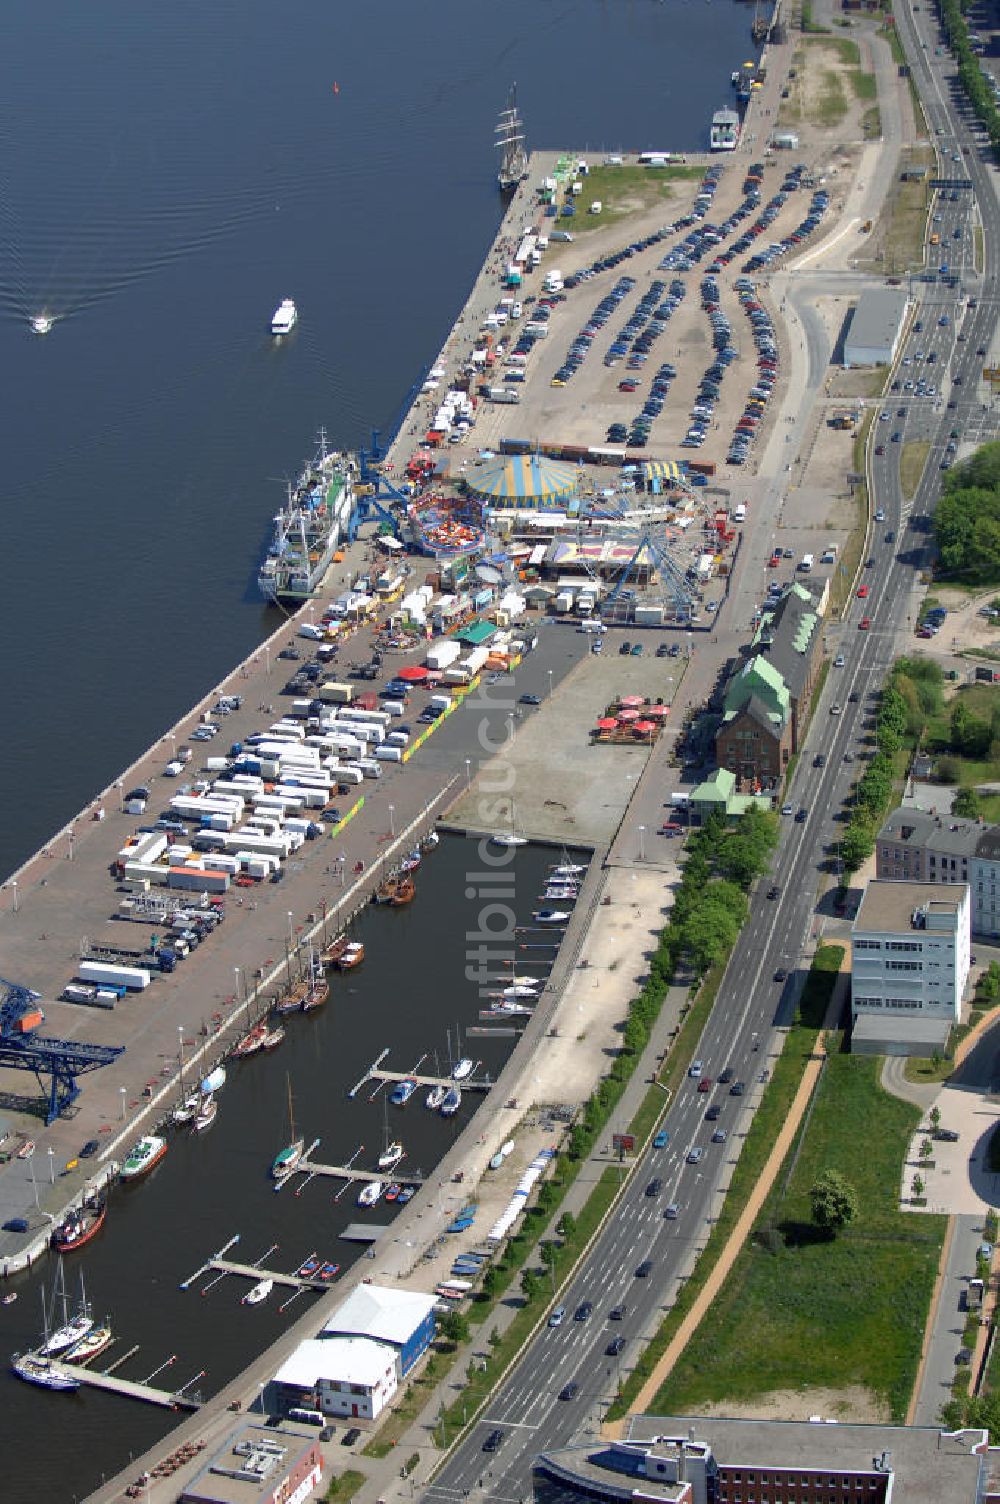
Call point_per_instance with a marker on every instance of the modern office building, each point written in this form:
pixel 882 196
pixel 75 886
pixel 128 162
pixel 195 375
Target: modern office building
pixel 686 1460
pixel 909 966
pixel 875 327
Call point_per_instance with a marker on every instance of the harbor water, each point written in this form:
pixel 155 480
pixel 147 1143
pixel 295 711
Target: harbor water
pixel 410 995
pixel 169 173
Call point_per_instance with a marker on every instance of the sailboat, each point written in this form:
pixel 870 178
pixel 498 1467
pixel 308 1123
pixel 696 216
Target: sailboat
pixel 510 142
pixel 73 1329
pixel 259 1293
pixel 284 1162
pixel 319 988
pixel 509 837
pixel 205 1116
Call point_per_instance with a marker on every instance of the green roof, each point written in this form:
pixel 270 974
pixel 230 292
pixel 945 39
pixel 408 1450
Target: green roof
pixel 717 788
pixel 759 678
pixel 477 633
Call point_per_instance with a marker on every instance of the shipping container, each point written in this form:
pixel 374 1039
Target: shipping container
pixel 198 881
pixel 336 693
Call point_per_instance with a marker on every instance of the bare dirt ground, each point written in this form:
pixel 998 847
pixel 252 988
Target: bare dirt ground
pixel 853 1405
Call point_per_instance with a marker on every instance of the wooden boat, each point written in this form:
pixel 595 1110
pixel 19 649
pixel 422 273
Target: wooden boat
pixel 318 988
pixel 185 1111
pixel 328 1271
pixel 273 1038
pixel 309 1267
pixel 206 1114
pixel 352 956
pixel 292 1000
pixel 396 890
pixel 331 954
pixel 251 1042
pixel 94 1343
pixel 286 1159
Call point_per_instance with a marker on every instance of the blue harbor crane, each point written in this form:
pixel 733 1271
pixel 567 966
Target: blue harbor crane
pixel 374 490
pixel 61 1060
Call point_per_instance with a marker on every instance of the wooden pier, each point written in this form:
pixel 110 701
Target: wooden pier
pixel 378 1073
pixel 219 1265
pixel 167 1399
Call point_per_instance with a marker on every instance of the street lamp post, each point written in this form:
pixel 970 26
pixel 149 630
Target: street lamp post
pixel 34 1183
pixel 392 820
pixel 236 969
pixel 122 1092
pixel 121 796
pixel 52 1164
pixel 550 681
pixel 468 772
pixel 291 936
pixel 13 883
pixel 642 843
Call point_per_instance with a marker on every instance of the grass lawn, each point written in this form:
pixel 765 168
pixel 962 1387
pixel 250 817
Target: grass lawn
pixel 907 213
pixel 911 466
pixel 830 103
pixel 344 1485
pixel 863 84
pixel 624 191
pixel 801 1311
pixel 982 700
pixel 847 51
pixel 871 123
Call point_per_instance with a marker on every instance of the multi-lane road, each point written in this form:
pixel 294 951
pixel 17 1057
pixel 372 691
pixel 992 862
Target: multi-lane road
pixel 528 1407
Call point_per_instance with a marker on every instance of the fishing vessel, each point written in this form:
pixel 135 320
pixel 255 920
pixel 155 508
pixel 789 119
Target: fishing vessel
pixel 550 916
pixel 435 1097
pixel 252 1041
pixel 40 1371
pixel 185 1111
pixel 309 527
pixel 370 1192
pixel 391 1155
pixel 259 1293
pixel 510 143
pixel 725 132
pixel 206 1114
pixel 96 1340
pixel 284 317
pixel 352 956
pixel 292 1000
pixel 143 1156
pixel 402 1092
pixel 452 1102
pixel 462 1068
pixel 80 1225
pixel 285 1161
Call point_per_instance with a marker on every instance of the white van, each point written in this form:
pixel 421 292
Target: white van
pixel 807 563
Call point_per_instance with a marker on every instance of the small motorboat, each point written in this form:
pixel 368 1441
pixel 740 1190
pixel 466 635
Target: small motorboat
pixel 452 1102
pixel 331 954
pixel 501 1154
pixel 430 840
pixel 519 990
pixel 309 1267
pixel 391 1155
pixel 370 1192
pixel 328 1271
pixel 411 861
pixel 79 1226
pixel 206 1114
pixel 8 1300
pixel 550 916
pixel 462 1068
pixel 41 323
pixel 435 1097
pixel 284 1162
pixel 567 869
pixel 273 1037
pixel 406 1193
pixel 285 317
pixel 27 1149
pixel 259 1293
pixel 392 1192
pixel 402 1092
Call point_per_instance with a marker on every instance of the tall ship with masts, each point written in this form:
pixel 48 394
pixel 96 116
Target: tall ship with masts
pixel 510 143
pixel 309 527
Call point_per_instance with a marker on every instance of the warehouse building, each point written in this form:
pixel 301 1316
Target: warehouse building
pixel 402 1319
pixel 875 328
pixel 258 1465
pixel 346 1376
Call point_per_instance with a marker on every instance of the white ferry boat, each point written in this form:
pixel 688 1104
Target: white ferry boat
pixel 285 317
pixel 725 132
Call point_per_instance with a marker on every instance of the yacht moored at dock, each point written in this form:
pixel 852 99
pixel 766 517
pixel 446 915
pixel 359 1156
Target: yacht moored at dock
pixel 510 144
pixel 40 1371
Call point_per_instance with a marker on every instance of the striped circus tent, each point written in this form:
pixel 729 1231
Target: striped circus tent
pixel 525 480
pixel 668 470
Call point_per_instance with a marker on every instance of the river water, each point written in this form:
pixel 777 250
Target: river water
pixel 167 175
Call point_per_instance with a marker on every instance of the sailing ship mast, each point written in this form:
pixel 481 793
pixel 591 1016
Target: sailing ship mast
pixel 510 141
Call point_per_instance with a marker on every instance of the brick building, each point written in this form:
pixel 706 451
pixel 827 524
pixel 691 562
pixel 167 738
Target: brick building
pixel 915 845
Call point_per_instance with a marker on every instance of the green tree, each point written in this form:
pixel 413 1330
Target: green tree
pixel 834 1201
pixel 453 1327
pixel 857 846
pixel 967 804
pixel 548 1252
pixel 935 1117
pixel 567 1226
pixel 529 1283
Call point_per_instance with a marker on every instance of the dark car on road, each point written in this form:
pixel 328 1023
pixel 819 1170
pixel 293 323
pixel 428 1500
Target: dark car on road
pixel 350 1437
pixel 569 1391
pixel 726 1076
pixel 615 1346
pixel 584 1311
pixel 781 975
pixel 655 1186
pixel 945 1135
pixel 494 1441
pixel 713 1112
pixel 530 700
pixel 644 1270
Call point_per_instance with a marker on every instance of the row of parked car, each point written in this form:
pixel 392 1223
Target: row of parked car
pixel 767 372
pixel 817 208
pixel 583 341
